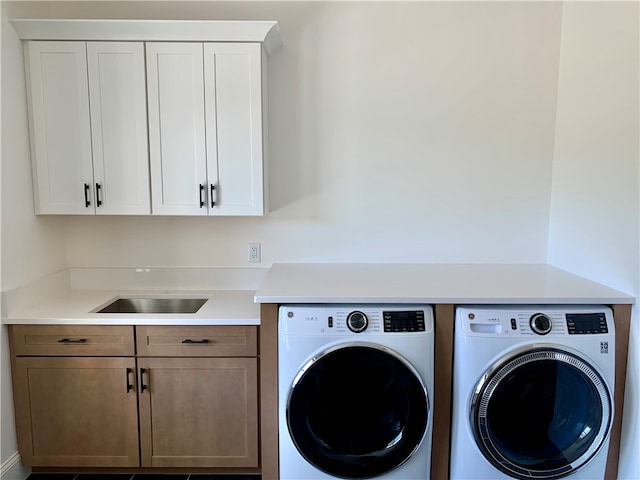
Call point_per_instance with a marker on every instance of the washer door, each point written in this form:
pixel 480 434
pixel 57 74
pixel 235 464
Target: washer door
pixel 357 411
pixel 541 414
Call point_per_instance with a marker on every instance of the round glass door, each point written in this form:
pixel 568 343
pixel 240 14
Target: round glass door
pixel 357 411
pixel 541 414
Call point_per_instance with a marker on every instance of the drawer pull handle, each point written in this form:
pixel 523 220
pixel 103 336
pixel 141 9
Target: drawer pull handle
pixel 188 341
pixel 129 385
pixel 69 340
pixel 143 387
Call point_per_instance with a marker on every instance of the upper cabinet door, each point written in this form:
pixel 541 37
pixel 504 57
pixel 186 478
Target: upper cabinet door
pixel 119 127
pixel 233 95
pixel 60 130
pixel 175 85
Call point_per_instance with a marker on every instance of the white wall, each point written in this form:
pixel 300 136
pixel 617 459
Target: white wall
pixel 30 246
pixel 595 203
pixel 414 132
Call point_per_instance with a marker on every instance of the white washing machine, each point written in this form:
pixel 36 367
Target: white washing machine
pixel 355 391
pixel 532 392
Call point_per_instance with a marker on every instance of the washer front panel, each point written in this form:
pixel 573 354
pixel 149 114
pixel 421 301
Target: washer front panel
pixel 355 404
pixel 486 339
pixel 541 414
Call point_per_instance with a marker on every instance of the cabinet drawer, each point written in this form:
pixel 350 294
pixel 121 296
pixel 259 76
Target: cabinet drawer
pixel 72 340
pixel 197 341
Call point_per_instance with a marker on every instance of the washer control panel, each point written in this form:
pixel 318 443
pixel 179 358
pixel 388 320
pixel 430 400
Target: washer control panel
pixel 355 320
pixel 534 320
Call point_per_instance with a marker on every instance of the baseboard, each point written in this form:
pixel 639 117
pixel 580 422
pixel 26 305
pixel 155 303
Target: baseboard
pixel 12 469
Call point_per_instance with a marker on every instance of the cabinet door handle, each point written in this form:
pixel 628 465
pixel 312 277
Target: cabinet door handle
pixel 213 188
pixel 143 387
pixel 201 195
pixel 98 201
pixel 188 341
pixel 69 340
pixel 129 385
pixel 87 203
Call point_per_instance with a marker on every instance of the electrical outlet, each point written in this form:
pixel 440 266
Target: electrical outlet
pixel 254 253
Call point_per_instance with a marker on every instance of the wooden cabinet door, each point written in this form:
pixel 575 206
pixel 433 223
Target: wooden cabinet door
pixel 233 96
pixel 76 412
pixel 175 85
pixel 198 412
pixel 118 106
pixel 60 132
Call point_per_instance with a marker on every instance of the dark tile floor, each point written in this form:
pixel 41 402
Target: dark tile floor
pixel 138 476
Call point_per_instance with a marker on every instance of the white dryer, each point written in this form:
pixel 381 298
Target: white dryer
pixel 355 391
pixel 532 392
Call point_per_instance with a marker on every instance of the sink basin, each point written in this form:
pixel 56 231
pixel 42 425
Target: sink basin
pixel 154 305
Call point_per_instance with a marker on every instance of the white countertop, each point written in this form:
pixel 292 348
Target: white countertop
pixel 75 307
pixel 432 283
pixel 53 300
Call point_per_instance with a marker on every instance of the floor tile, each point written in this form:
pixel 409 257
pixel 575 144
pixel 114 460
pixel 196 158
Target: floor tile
pixel 104 476
pixel 160 476
pixel 52 476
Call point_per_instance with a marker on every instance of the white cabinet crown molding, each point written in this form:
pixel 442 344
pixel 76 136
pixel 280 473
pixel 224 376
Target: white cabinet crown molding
pixel 266 32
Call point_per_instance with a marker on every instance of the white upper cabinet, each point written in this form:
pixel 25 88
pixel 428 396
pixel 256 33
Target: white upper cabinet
pixel 117 99
pixel 88 127
pixel 175 83
pixel 205 128
pixel 233 98
pixel 58 97
pixel 147 117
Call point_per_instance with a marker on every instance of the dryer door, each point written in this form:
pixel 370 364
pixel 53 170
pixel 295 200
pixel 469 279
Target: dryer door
pixel 541 414
pixel 357 411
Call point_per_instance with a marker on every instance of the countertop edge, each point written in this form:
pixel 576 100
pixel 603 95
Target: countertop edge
pixel 264 299
pixel 133 321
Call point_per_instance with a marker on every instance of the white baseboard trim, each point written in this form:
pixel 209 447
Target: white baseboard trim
pixel 12 469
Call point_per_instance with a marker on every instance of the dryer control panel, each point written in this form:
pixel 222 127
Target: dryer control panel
pixel 534 320
pixel 356 320
pixel 586 323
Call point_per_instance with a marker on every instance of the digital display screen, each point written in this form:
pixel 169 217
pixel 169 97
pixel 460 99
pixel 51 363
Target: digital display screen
pixel 404 321
pixel 582 323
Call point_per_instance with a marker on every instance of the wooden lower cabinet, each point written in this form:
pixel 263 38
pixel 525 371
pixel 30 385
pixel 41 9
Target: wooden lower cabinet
pixel 198 412
pixel 76 411
pixel 193 404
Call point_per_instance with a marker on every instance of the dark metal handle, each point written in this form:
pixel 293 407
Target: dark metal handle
pixel 129 385
pixel 68 340
pixel 98 201
pixel 87 203
pixel 213 187
pixel 201 195
pixel 143 387
pixel 189 341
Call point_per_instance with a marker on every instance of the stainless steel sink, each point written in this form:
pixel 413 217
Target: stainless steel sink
pixel 154 305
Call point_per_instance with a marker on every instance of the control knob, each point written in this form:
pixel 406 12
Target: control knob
pixel 357 322
pixel 540 323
